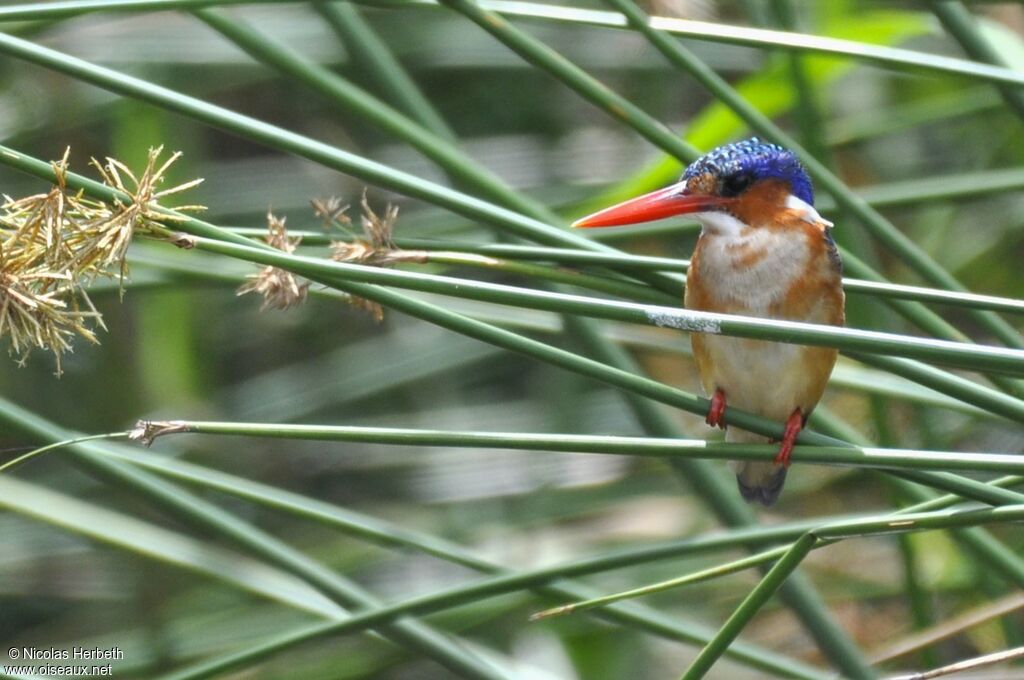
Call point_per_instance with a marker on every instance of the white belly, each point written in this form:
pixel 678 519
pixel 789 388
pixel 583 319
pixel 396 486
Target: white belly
pixel 761 377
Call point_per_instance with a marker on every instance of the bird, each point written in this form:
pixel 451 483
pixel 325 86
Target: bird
pixel 763 251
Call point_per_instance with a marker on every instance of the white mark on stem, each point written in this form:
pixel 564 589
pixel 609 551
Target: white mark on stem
pixel 684 322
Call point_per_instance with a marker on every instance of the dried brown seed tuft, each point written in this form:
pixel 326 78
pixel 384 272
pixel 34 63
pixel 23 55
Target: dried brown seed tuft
pixel 279 288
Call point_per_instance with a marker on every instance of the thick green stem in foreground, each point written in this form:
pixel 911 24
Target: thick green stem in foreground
pixel 750 606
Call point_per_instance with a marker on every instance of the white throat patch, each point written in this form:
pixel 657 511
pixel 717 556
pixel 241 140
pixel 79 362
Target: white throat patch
pixel 719 223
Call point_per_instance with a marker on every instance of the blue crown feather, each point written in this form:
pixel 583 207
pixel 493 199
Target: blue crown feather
pixel 760 160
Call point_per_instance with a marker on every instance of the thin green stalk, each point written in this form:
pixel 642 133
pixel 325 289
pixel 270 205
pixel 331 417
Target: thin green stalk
pixel 747 37
pixel 916 313
pixel 974 357
pixel 922 612
pixel 961 25
pixel 372 57
pixel 961 485
pixel 883 230
pixel 701 576
pixel 892 57
pixel 631 263
pixel 998 556
pixel 962 185
pixel 25 457
pixel 611 285
pixel 602 444
pixel 948 383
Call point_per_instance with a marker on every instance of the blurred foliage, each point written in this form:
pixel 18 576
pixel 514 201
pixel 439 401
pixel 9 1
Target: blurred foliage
pixel 181 347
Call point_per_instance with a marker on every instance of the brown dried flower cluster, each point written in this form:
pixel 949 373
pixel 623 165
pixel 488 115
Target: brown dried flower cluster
pixel 52 245
pixel 377 246
pixel 279 288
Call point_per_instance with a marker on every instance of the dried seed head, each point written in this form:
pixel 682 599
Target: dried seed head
pixel 331 212
pixel 369 306
pixel 379 230
pixel 142 209
pixel 52 245
pixel 279 288
pixel 377 245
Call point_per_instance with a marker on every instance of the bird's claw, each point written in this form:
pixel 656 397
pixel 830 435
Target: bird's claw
pixel 794 424
pixel 716 414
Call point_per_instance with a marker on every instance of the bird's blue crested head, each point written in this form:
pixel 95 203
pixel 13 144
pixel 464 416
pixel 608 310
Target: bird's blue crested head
pixel 738 166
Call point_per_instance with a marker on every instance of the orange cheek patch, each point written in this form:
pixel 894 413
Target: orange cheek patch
pixel 761 204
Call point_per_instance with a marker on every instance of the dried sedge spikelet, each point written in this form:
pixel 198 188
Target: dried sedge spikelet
pixel 379 230
pixel 279 288
pixel 331 212
pixel 142 210
pixel 40 308
pixel 54 226
pixel 53 244
pixel 369 306
pixel 378 245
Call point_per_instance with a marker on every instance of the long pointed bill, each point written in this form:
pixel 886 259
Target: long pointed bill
pixel 656 205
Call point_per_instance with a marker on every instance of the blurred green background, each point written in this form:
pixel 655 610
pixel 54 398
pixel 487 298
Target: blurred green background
pixel 179 347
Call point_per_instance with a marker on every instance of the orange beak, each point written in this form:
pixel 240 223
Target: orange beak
pixel 672 200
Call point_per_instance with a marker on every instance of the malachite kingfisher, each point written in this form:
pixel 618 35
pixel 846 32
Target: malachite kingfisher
pixel 763 251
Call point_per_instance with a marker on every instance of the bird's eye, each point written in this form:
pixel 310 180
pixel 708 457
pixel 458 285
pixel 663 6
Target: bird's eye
pixel 735 184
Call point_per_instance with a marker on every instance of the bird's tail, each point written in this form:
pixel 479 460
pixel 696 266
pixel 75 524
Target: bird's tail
pixel 761 482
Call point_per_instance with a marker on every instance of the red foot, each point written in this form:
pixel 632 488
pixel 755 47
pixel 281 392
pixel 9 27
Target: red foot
pixel 793 427
pixel 717 411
